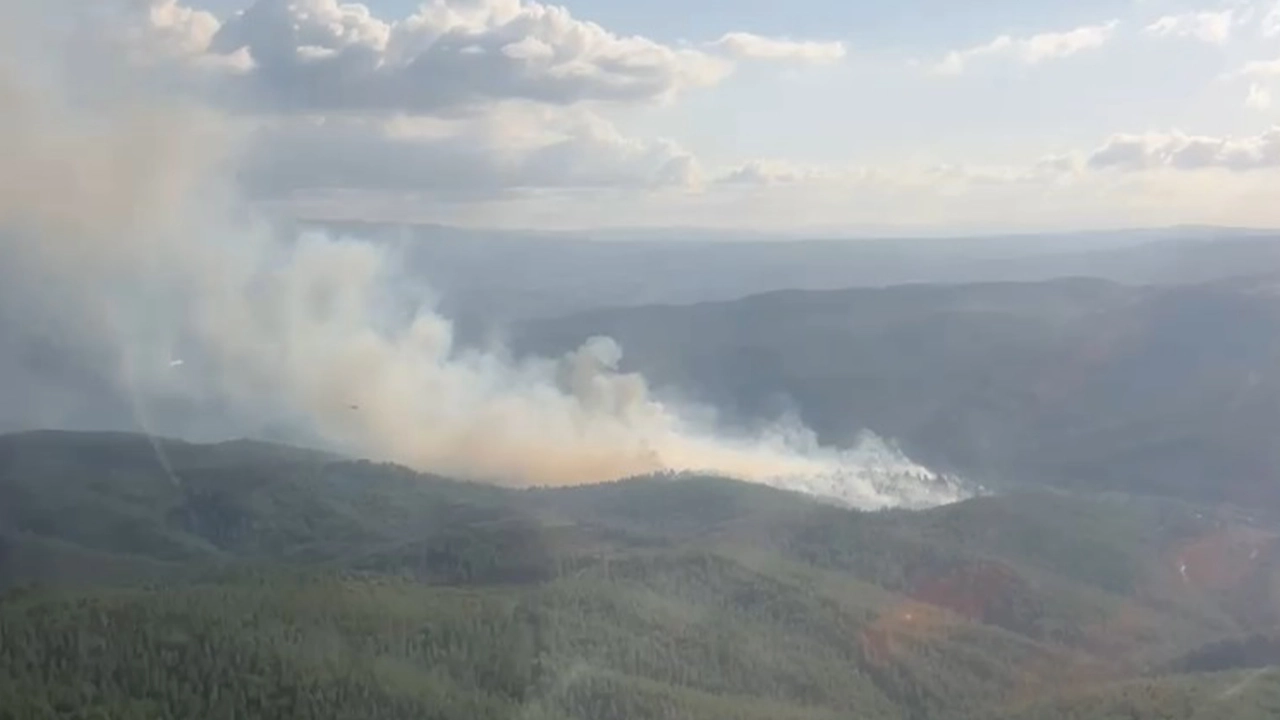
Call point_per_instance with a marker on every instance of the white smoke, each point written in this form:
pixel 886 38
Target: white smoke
pixel 120 239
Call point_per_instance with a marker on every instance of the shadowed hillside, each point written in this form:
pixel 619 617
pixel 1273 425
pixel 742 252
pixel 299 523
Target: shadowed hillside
pixel 1077 383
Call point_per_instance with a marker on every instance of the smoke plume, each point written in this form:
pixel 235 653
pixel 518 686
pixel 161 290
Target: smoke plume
pixel 126 252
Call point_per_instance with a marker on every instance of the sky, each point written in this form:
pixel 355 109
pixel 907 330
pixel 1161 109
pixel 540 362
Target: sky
pixel 801 116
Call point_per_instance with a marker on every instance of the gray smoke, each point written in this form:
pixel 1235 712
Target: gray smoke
pixel 129 263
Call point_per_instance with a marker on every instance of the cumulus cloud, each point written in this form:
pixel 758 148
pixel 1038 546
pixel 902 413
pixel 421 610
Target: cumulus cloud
pixel 748 46
pixel 1209 27
pixel 493 112
pixel 322 55
pixel 461 100
pixel 1261 75
pixel 1030 50
pixel 1179 151
pixel 174 29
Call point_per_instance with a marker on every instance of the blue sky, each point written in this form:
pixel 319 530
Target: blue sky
pixel 973 102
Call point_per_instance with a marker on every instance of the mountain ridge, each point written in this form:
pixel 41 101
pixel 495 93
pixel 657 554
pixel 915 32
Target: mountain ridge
pixel 1077 382
pixel 350 587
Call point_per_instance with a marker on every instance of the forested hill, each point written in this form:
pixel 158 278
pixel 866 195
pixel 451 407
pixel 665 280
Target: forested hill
pixel 254 581
pixel 515 275
pixel 1076 383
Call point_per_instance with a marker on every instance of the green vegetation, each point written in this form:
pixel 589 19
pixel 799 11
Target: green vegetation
pixel 263 582
pixel 1074 383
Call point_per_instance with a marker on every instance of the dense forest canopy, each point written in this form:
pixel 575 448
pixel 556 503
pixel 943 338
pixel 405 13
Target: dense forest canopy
pixel 265 581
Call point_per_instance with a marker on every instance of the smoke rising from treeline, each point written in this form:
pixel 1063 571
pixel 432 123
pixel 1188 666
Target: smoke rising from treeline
pixel 124 248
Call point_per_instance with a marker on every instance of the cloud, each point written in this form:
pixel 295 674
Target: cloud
pixel 1055 169
pixel 493 112
pixel 1259 69
pixel 1030 50
pixel 947 178
pixel 320 56
pixel 324 56
pixel 1209 27
pixel 747 46
pixel 1259 98
pixel 1178 151
pixel 508 149
pixel 175 30
pixel 1261 74
pixel 775 172
pixel 465 100
pixel 1271 22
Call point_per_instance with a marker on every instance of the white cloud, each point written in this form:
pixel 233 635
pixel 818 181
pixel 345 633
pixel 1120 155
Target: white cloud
pixel 506 150
pixel 759 172
pixel 1259 98
pixel 1261 75
pixel 489 111
pixel 1031 50
pixel 1259 69
pixel 465 100
pixel 173 37
pixel 765 173
pixel 1209 27
pixel 319 55
pixel 1271 22
pixel 178 29
pixel 1052 193
pixel 1179 151
pixel 741 45
pixel 1051 169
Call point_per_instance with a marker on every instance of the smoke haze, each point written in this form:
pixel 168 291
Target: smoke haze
pixel 125 253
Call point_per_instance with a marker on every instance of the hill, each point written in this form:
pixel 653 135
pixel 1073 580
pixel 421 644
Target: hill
pixel 488 276
pixel 250 580
pixel 1077 383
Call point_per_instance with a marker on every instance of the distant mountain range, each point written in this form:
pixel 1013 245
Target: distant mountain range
pixel 487 277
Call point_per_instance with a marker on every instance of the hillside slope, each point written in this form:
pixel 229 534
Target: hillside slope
pixel 263 582
pixel 1076 383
